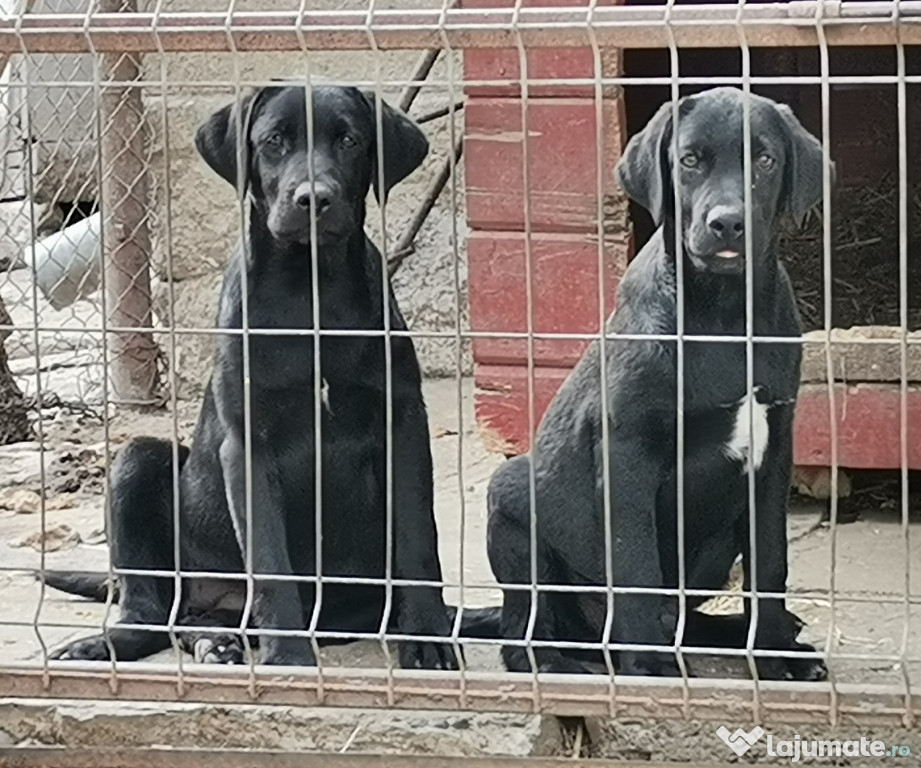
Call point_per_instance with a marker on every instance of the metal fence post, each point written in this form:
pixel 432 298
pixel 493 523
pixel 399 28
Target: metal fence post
pixel 14 414
pixel 134 376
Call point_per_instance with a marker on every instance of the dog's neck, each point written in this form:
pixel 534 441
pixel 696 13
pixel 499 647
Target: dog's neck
pixel 346 269
pixel 719 301
pixel 335 260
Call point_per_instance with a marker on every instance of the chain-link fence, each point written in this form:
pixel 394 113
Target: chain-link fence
pixel 631 548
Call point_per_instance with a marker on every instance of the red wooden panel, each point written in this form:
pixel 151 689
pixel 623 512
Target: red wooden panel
pixel 563 66
pixel 563 155
pixel 557 64
pixel 868 418
pixel 564 277
pixel 501 404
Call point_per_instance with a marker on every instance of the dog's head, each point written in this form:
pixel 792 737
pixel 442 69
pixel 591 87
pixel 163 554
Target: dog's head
pixel 293 174
pixel 786 174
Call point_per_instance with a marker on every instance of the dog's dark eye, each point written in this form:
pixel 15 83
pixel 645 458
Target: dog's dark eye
pixel 348 142
pixel 690 160
pixel 765 162
pixel 273 141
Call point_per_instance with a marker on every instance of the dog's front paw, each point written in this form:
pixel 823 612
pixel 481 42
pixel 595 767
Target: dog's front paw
pixel 648 663
pixel 424 613
pixel 89 649
pixel 219 649
pixel 793 667
pixel 424 655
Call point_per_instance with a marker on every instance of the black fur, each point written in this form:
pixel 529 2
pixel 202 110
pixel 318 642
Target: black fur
pixel 641 397
pixel 288 179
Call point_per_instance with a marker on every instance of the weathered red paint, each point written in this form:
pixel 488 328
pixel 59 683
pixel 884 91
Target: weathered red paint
pixel 868 423
pixel 565 196
pixel 563 158
pixel 563 66
pixel 565 297
pixel 560 65
pixel 502 404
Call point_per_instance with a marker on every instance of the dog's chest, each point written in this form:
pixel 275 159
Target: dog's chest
pixel 726 421
pixel 736 431
pixel 749 432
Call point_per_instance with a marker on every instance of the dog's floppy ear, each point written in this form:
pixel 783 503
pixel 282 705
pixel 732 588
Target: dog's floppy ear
pixel 217 140
pixel 802 181
pixel 645 170
pixel 404 145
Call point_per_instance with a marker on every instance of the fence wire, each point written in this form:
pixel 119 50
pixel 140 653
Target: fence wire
pixel 504 250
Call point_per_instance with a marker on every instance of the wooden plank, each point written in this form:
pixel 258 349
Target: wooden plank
pixel 564 274
pixel 557 64
pixel 501 404
pixel 854 360
pixel 563 66
pixel 868 419
pixel 563 158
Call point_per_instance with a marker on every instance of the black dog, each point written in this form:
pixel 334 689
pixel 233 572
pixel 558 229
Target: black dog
pixel 291 180
pixel 641 395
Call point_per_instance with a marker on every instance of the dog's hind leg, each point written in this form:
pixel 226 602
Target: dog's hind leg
pixel 141 502
pixel 509 550
pixel 731 631
pixel 705 630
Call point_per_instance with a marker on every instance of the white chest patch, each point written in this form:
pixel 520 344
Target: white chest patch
pixel 749 436
pixel 324 396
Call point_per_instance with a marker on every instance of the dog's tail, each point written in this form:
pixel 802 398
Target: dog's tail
pixel 94 586
pixel 478 623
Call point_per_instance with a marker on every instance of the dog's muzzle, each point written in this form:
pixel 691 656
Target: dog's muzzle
pixel 309 207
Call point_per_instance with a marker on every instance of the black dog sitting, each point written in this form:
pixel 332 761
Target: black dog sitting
pixel 290 181
pixel 641 395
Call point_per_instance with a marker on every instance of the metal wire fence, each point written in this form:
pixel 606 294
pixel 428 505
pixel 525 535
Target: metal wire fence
pixel 505 249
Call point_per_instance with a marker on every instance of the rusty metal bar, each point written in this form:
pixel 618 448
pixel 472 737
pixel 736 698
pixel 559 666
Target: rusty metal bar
pixel 426 61
pixel 700 25
pixel 722 700
pixel 127 757
pixel 405 246
pixel 134 378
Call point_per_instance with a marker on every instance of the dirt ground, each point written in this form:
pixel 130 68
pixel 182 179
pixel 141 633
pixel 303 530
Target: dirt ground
pixel 866 629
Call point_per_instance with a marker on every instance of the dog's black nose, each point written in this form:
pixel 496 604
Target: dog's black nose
pixel 317 196
pixel 727 221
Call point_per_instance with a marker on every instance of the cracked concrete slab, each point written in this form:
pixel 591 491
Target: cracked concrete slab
pixel 137 724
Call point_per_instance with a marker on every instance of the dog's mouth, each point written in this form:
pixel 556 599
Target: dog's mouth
pixel 724 257
pixel 299 236
pixel 294 228
pixel 726 261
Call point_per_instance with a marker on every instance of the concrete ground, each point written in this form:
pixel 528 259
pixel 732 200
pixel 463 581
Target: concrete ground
pixel 460 501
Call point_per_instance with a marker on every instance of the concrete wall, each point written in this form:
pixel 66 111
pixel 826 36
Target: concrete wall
pixel 181 91
pixel 205 214
pixel 60 117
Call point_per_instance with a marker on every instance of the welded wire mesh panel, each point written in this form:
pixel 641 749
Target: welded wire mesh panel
pixel 492 356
